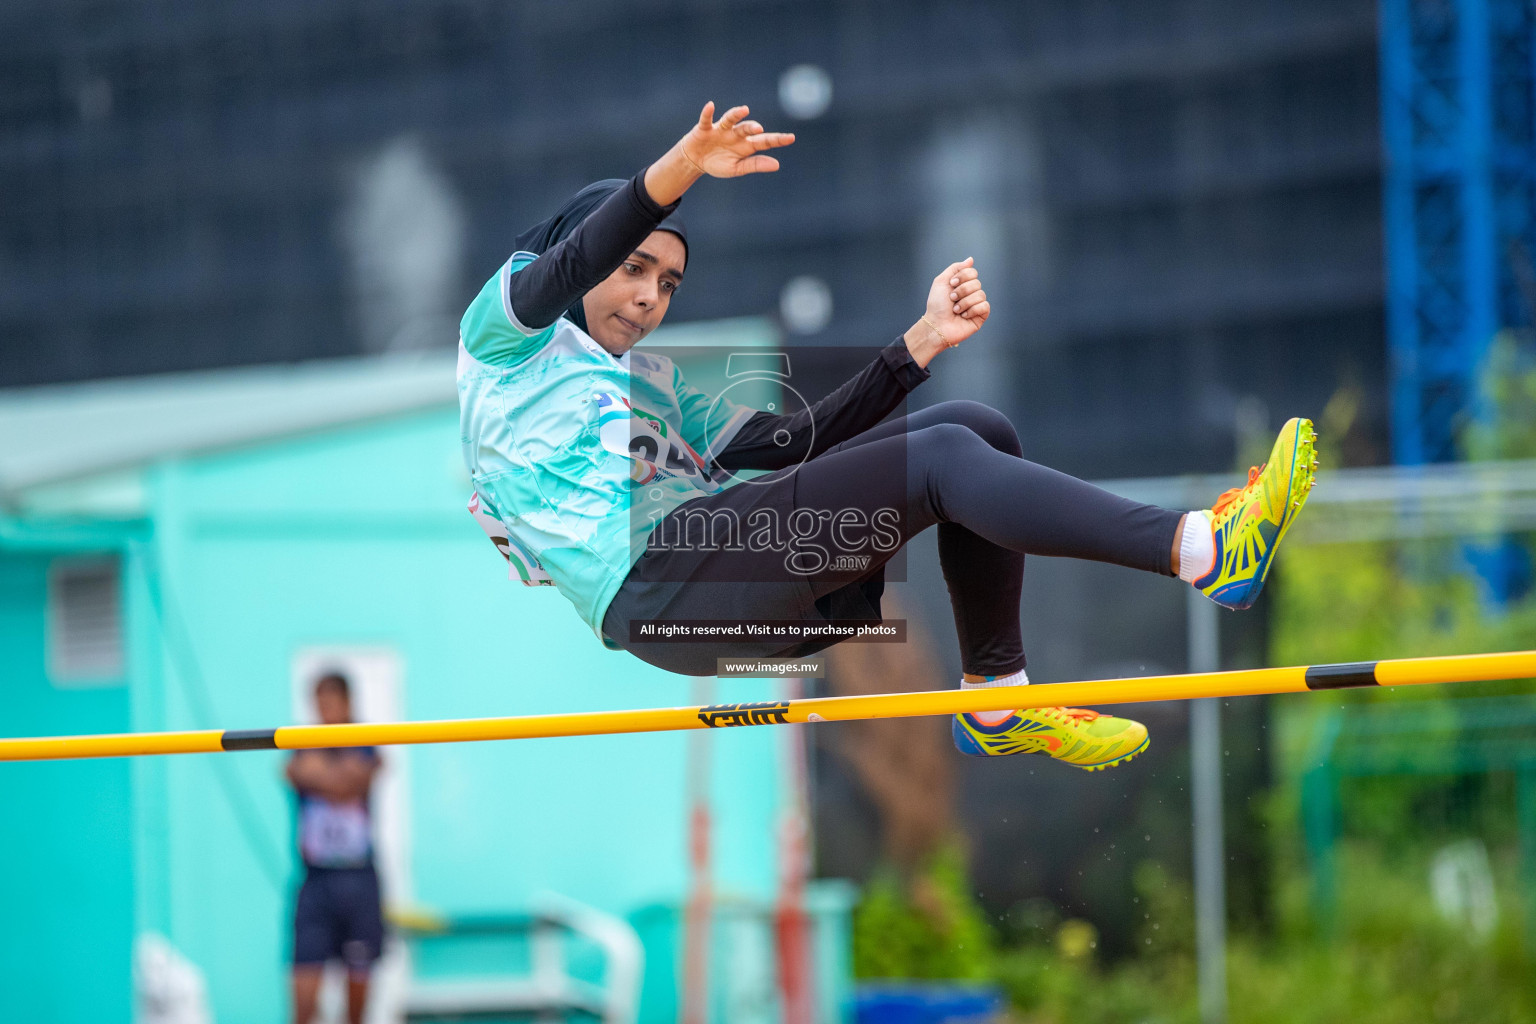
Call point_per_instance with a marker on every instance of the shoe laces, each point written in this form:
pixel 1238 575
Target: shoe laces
pixel 1231 495
pixel 1077 714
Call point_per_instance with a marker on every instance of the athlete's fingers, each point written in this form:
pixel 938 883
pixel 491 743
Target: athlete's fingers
pixel 707 115
pixel 970 302
pixel 771 140
pixel 748 127
pixel 968 274
pixel 966 288
pixel 955 268
pixel 733 116
pixel 978 312
pixel 757 164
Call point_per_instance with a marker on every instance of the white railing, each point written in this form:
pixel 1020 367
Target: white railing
pixel 546 989
pixel 1381 502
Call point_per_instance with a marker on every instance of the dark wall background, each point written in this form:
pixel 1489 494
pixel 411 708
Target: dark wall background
pixel 1176 201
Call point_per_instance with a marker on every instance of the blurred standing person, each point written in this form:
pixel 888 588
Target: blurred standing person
pixel 337 915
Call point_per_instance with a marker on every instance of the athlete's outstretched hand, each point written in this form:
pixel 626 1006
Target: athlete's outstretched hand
pixel 727 148
pixel 731 146
pixel 957 307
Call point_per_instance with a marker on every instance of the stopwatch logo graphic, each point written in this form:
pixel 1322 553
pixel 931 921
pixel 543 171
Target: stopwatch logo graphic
pixel 747 373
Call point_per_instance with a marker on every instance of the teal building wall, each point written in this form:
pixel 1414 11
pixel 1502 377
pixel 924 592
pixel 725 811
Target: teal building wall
pixel 66 868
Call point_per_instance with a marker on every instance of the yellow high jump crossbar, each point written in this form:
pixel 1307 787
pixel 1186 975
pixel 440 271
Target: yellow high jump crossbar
pixel 1458 668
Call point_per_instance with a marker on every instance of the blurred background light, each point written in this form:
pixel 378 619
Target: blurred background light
pixel 404 234
pixel 805 305
pixel 805 91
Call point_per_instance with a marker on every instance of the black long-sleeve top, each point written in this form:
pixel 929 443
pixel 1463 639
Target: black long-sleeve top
pixel 545 289
pixel 858 404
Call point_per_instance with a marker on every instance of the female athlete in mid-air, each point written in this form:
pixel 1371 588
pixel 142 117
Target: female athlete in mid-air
pixel 599 470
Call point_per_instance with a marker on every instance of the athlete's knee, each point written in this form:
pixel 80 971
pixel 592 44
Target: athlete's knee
pixel 941 446
pixel 983 420
pixel 939 460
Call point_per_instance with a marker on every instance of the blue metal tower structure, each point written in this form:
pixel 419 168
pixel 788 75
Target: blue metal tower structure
pixel 1460 193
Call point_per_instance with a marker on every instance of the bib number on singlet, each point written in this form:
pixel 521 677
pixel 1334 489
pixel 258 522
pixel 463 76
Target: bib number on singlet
pixel 334 834
pixel 654 452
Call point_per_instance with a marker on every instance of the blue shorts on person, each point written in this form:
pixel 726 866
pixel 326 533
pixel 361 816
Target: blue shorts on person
pixel 338 917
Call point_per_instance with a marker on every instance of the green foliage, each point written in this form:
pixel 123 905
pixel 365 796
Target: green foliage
pixel 1393 961
pixel 1359 602
pixel 1508 386
pixel 1391 958
pixel 1046 982
pixel 928 927
pixel 1046 988
pixel 1167 927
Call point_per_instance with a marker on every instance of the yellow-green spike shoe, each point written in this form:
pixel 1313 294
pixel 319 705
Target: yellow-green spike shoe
pixel 1250 522
pixel 1077 736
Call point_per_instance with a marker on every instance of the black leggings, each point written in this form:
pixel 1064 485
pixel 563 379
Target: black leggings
pixel 959 465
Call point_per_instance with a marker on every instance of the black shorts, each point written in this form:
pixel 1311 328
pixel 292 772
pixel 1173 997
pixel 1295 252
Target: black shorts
pixel 338 917
pixel 696 579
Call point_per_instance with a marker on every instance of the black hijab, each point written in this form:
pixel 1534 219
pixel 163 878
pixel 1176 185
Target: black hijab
pixel 539 238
